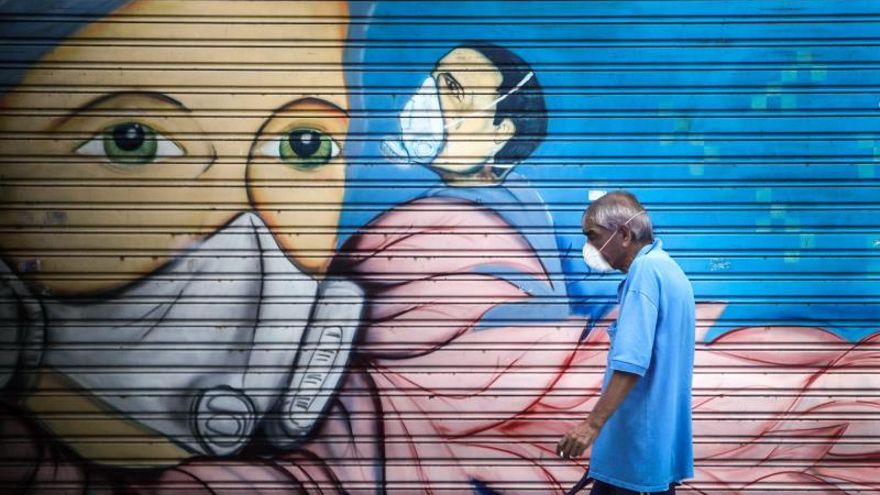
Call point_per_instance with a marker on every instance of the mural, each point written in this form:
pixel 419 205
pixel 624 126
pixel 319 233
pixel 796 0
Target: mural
pixel 282 247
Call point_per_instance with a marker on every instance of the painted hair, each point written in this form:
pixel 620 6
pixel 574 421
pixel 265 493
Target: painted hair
pixel 32 28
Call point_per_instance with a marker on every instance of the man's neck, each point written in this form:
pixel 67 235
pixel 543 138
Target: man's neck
pixel 632 253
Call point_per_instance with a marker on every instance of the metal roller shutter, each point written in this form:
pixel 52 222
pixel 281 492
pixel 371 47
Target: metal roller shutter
pixel 321 247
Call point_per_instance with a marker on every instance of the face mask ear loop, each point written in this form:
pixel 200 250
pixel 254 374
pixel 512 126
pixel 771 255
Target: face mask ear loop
pixel 519 85
pixel 606 242
pixel 631 218
pixel 496 101
pixel 615 232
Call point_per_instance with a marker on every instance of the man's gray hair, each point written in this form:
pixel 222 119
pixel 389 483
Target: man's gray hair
pixel 614 209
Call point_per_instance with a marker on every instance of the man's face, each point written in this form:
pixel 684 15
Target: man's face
pixel 468 81
pixel 609 244
pixel 161 145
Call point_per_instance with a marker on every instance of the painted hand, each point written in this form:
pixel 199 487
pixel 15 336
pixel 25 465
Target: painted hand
pixel 577 441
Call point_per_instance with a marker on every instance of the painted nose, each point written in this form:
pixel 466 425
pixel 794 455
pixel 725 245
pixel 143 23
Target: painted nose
pixel 300 206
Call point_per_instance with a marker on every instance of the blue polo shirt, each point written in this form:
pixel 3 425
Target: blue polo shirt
pixel 647 443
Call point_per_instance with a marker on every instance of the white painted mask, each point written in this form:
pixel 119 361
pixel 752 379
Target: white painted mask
pixel 422 131
pixel 227 338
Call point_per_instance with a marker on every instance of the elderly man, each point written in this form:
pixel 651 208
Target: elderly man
pixel 641 427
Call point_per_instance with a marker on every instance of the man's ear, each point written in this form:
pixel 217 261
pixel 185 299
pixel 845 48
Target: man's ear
pixel 504 131
pixel 626 236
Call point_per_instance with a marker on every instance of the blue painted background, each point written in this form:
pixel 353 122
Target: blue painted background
pixel 753 141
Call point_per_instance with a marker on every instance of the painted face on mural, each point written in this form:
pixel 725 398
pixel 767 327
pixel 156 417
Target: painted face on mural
pixel 467 83
pixel 192 196
pixel 175 146
pixel 479 113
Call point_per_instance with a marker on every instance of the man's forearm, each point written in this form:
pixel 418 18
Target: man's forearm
pixel 618 387
pixel 579 439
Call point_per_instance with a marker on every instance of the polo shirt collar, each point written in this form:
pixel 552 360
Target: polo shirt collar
pixel 657 244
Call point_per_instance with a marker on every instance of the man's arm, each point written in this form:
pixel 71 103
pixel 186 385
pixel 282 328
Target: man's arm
pixel 628 358
pixel 576 441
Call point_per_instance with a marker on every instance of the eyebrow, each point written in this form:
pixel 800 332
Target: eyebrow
pixel 290 105
pixel 312 99
pixel 115 95
pixel 594 230
pixel 299 101
pixel 450 76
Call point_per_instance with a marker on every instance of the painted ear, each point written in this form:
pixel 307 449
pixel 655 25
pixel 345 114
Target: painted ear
pixel 503 132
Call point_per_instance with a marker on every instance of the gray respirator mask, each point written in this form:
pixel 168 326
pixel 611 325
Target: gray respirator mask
pixel 226 339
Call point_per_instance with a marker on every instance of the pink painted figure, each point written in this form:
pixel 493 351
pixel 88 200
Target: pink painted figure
pixel 429 397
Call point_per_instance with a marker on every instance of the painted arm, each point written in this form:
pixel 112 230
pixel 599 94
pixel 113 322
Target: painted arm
pixel 579 439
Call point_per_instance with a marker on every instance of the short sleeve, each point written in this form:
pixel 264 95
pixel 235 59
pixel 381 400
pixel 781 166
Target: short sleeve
pixel 634 339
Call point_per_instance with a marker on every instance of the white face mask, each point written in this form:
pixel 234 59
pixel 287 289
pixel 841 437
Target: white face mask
pixel 595 259
pixel 422 131
pixel 230 331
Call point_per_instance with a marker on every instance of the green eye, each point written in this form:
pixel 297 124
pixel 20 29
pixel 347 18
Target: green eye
pixel 130 143
pixel 303 148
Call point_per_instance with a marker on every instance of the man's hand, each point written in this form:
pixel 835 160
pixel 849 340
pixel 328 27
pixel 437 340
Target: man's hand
pixel 577 441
